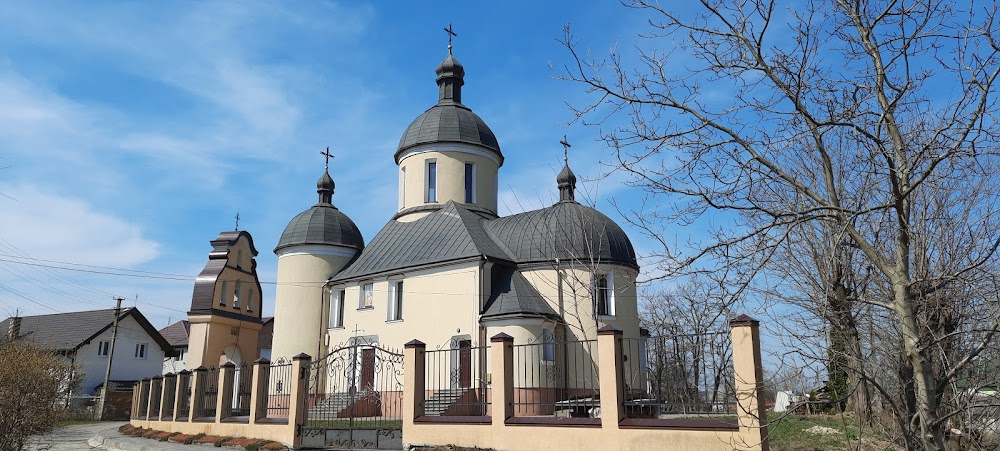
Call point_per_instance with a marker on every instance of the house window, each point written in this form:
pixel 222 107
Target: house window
pixel 103 348
pixel 222 293
pixel 548 346
pixel 140 350
pixel 470 183
pixel 366 296
pixel 604 294
pixel 395 301
pixel 337 309
pixel 431 193
pixel 236 295
pixel 181 354
pixel 249 300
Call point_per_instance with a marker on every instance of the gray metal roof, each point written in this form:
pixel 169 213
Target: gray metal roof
pixel 69 331
pixel 449 123
pixel 513 295
pixel 568 231
pixel 449 120
pixel 321 224
pixel 451 233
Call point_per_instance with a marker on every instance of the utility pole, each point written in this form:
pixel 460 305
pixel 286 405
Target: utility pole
pixel 111 356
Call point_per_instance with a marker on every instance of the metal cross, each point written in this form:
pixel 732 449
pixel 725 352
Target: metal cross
pixel 566 147
pixel 237 220
pixel 328 157
pixel 451 34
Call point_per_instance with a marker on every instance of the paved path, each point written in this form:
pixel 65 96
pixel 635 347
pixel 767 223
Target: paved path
pixel 71 437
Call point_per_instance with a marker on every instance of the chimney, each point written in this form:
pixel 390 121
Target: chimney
pixel 14 328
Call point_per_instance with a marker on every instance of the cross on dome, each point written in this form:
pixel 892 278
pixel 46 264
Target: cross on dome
pixel 451 34
pixel 328 157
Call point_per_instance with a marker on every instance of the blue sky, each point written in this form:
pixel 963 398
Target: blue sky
pixel 131 133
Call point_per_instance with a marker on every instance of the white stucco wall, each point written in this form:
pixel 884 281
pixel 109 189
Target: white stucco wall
pixel 125 366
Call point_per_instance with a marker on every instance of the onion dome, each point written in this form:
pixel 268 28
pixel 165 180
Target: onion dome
pixel 566 180
pixel 449 121
pixel 323 224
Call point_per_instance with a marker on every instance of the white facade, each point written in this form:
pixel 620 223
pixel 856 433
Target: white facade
pixel 136 356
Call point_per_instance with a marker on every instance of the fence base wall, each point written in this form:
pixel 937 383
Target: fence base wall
pixel 282 433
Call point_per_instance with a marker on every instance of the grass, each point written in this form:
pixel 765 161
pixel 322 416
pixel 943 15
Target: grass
pixel 788 433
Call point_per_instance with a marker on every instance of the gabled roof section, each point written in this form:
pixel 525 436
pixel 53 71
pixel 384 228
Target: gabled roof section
pixel 451 233
pixel 177 333
pixel 67 332
pixel 513 296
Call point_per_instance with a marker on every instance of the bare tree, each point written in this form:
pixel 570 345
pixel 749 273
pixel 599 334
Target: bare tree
pixel 859 115
pixel 32 384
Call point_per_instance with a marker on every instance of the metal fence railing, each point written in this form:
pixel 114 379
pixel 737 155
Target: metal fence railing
pixel 155 387
pixel 455 379
pixel 679 376
pixel 184 385
pixel 556 378
pixel 357 385
pixel 209 393
pixel 169 395
pixel 242 387
pixel 279 385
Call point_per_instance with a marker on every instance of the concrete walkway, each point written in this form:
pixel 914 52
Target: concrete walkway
pixel 70 437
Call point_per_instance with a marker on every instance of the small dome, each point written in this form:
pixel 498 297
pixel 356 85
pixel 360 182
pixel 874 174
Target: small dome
pixel 450 67
pixel 449 123
pixel 567 231
pixel 324 225
pixel 325 183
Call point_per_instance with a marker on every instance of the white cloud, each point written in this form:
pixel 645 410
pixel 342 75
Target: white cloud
pixel 50 226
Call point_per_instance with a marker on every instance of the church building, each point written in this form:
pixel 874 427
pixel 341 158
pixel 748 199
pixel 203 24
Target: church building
pixel 447 269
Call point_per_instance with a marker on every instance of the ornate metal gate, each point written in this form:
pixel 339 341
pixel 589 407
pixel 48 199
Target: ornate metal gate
pixel 355 398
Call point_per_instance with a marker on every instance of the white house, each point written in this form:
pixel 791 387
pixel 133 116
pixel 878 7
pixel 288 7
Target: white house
pixel 84 338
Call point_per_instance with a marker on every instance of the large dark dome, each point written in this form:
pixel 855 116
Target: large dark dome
pixel 568 231
pixel 321 224
pixel 449 123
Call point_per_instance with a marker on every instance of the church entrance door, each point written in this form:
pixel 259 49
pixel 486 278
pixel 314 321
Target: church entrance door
pixel 355 397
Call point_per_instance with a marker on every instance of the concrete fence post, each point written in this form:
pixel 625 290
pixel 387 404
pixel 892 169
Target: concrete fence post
pixel 502 353
pixel 184 376
pixel 224 400
pixel 258 391
pixel 609 370
pixel 298 405
pixel 197 387
pixel 749 375
pixel 414 381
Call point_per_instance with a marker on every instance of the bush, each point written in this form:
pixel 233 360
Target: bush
pixel 32 381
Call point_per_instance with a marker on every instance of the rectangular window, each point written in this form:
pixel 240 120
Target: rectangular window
pixel 470 183
pixel 366 296
pixel 103 348
pixel 548 346
pixel 249 300
pixel 395 301
pixel 239 259
pixel 236 295
pixel 140 350
pixel 431 194
pixel 337 309
pixel 222 293
pixel 182 354
pixel 604 294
